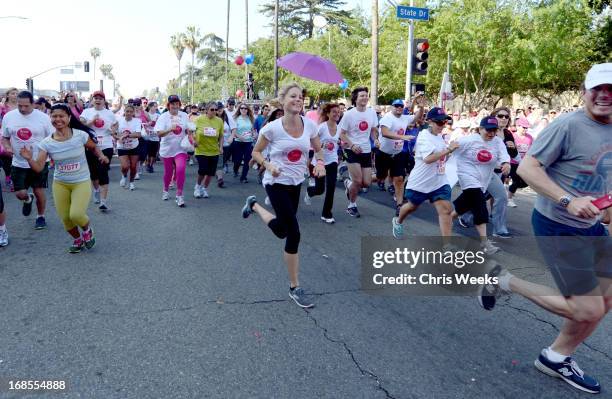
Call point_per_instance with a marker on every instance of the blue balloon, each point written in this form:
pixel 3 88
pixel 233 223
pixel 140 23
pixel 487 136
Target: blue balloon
pixel 344 85
pixel 249 59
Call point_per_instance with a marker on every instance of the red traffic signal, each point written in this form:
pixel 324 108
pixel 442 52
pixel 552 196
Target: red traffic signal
pixel 420 54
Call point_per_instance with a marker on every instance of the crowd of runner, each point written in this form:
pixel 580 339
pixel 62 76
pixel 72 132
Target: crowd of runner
pixel 415 152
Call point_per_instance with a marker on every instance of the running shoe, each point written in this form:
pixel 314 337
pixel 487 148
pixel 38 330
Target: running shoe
pixel 328 220
pixel 165 196
pixel 511 203
pixel 398 228
pixel 307 200
pixel 488 247
pixel 311 182
pixel 220 183
pixel 180 201
pixel 391 190
pixel 235 175
pixel 190 162
pixel 123 181
pixel 488 293
pixel 89 239
pixel 353 211
pixel 132 187
pixel 568 371
pixel 381 186
pixel 27 206
pixel 137 177
pixel 96 195
pixel 103 207
pixel 150 169
pixel 204 193
pixel 247 209
pixel 225 169
pixel 40 223
pixel 505 235
pixel 244 181
pixel 298 296
pixel 77 246
pixel 197 192
pixel 365 190
pixel 4 238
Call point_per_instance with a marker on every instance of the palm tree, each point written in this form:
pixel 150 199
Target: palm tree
pixel 177 43
pixel 374 39
pixel 107 72
pixel 192 41
pixel 95 54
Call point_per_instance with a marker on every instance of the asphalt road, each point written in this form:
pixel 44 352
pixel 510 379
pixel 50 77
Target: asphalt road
pixel 192 303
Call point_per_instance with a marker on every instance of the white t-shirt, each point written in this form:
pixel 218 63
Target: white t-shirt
pixel 25 130
pixel 102 129
pixel 227 129
pixel 134 125
pixel 426 178
pixel 150 128
pixel 289 154
pixel 397 125
pixel 329 144
pixel 476 160
pixel 358 126
pixel 69 157
pixel 170 144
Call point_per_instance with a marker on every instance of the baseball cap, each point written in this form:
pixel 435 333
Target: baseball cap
pixel 99 93
pixel 231 101
pixel 437 114
pixel 137 102
pixel 174 99
pixel 599 74
pixel 522 122
pixel 219 105
pixel 397 102
pixel 489 122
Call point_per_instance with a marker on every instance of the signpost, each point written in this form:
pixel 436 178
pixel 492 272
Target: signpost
pixel 421 14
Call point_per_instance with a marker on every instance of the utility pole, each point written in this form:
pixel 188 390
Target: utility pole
pixel 408 89
pixel 227 45
pixel 246 69
pixel 275 48
pixel 374 80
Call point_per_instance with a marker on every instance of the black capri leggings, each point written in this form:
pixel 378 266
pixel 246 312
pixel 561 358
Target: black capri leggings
pixel 326 184
pixel 285 200
pixel 5 162
pixel 473 199
pixel 517 182
pixel 1 200
pixel 98 171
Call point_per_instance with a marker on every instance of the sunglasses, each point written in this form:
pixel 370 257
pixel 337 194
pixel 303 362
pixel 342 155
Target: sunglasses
pixel 398 106
pixel 503 116
pixel 440 123
pixel 243 108
pixel 213 109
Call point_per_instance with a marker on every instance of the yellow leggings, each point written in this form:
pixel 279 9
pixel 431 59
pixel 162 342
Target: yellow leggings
pixel 71 201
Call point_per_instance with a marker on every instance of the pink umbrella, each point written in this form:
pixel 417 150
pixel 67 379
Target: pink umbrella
pixel 310 66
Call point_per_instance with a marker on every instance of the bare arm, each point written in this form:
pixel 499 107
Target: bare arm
pixel 390 135
pixel 37 164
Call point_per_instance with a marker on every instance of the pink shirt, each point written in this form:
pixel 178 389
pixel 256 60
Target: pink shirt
pixel 523 143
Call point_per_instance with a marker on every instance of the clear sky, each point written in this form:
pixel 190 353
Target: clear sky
pixel 132 35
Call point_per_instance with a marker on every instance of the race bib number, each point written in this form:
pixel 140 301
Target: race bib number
pixel 210 132
pixel 71 167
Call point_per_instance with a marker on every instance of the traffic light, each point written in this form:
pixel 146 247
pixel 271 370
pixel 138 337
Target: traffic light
pixel 420 54
pixel 86 66
pixel 30 85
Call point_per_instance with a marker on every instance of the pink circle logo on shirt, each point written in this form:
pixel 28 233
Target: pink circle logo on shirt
pixel 484 156
pixel 401 132
pixel 24 133
pixel 363 126
pixel 294 155
pixel 329 146
pixel 152 123
pixel 178 129
pixel 99 123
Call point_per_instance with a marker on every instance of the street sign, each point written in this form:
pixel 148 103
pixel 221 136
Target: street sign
pixel 404 12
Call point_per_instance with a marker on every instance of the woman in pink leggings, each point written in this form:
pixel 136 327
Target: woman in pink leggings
pixel 171 127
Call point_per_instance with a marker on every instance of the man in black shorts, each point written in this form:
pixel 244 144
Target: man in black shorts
pixel 356 128
pixel 4 238
pixel 569 166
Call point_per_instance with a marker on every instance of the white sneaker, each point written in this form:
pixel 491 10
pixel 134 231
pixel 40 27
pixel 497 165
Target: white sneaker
pixel 307 200
pixel 197 192
pixel 511 203
pixel 489 248
pixel 328 220
pixel 165 196
pixel 204 193
pixel 180 201
pixel 190 162
pixel 96 195
pixel 137 177
pixel 4 239
pixel 123 181
pixel 132 187
pixel 267 201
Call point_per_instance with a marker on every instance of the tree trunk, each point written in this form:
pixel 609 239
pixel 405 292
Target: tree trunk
pixel 179 80
pixel 227 45
pixel 374 81
pixel 191 74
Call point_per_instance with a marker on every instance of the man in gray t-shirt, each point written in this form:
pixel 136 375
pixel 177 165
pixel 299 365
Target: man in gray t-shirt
pixel 569 166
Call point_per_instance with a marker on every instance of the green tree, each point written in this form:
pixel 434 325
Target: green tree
pixel 95 54
pixel 191 40
pixel 177 42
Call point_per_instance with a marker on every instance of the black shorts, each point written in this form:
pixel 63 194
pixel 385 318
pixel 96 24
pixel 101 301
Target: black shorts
pixel 473 199
pixel 1 200
pixel 152 148
pixel 132 152
pixel 396 164
pixel 207 165
pixel 364 159
pixel 24 178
